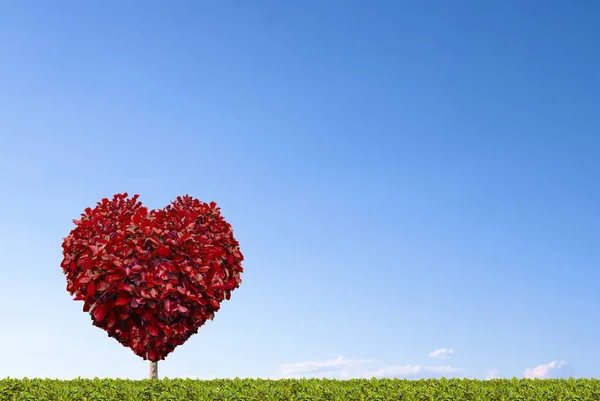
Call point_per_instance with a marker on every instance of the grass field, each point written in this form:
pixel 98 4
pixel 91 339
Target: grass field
pixel 304 389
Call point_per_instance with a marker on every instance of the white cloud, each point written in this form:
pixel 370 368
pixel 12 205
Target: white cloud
pixel 492 374
pixel 442 352
pixel 417 371
pixel 553 370
pixel 348 368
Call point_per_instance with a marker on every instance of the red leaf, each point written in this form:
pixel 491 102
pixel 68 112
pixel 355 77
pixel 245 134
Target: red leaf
pixel 153 331
pixel 91 289
pixel 94 250
pixel 122 300
pixel 79 298
pixel 153 240
pixel 212 205
pixel 100 312
pixel 112 319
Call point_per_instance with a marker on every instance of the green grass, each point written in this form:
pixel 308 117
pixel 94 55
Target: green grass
pixel 300 390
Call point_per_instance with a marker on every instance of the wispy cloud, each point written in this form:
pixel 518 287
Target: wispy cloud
pixel 492 374
pixel 348 368
pixel 442 353
pixel 554 370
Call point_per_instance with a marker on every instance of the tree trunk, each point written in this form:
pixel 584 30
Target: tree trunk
pixel 153 370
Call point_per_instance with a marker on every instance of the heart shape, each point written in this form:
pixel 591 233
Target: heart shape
pixel 151 279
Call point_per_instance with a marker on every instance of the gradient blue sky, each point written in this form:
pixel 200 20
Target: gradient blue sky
pixel 403 177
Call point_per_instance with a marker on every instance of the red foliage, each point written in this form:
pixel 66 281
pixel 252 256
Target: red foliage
pixel 151 279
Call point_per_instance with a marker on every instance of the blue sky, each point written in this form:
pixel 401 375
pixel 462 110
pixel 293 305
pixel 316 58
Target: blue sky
pixel 403 177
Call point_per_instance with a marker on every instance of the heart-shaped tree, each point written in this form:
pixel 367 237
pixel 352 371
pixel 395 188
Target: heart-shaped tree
pixel 151 278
